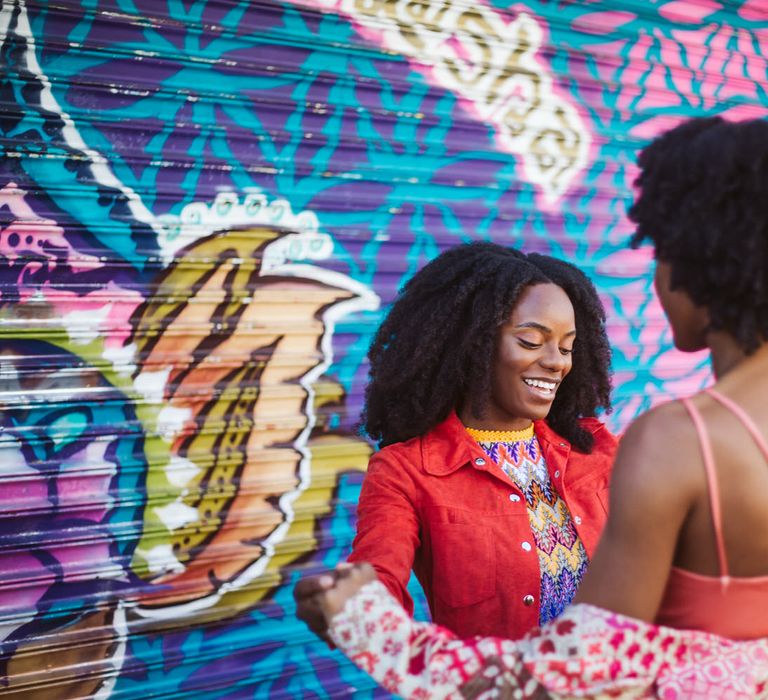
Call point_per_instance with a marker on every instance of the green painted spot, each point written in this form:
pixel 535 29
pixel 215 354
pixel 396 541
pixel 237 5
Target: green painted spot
pixel 67 429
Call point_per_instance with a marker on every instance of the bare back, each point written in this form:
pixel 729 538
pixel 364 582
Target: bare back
pixel 660 522
pixel 741 469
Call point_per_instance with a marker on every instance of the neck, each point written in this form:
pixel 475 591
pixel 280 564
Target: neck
pixel 727 354
pixel 495 423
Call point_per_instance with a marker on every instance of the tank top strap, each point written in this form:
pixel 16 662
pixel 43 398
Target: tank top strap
pixel 743 417
pixel 712 486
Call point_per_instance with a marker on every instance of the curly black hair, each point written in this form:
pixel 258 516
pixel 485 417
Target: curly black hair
pixel 435 349
pixel 587 386
pixel 703 203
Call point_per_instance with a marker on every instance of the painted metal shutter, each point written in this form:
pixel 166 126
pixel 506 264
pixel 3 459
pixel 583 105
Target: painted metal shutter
pixel 206 206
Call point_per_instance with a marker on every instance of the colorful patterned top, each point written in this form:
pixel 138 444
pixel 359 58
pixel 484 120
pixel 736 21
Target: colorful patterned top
pixel 562 557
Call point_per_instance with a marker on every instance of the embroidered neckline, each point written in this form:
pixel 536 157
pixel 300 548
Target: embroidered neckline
pixel 501 435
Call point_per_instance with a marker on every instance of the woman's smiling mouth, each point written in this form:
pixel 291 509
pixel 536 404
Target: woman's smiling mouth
pixel 543 387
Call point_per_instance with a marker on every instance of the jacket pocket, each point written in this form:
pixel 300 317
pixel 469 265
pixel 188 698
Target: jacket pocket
pixel 463 563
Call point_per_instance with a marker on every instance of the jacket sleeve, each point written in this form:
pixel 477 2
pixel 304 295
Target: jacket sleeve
pixel 388 526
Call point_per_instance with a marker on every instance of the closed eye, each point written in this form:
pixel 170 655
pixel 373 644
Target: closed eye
pixel 566 351
pixel 528 344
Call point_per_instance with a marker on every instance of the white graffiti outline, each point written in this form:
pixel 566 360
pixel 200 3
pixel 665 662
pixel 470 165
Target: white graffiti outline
pixel 278 263
pixel 364 300
pixel 98 164
pixel 552 140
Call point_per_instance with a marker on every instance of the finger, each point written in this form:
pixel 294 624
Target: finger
pixel 314 619
pixel 311 585
pixel 344 570
pixel 367 572
pixel 361 574
pixel 334 600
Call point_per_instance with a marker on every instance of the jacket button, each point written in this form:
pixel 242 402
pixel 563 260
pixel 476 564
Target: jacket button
pixel 479 461
pixel 514 497
pixel 528 600
pixel 526 546
pixel 557 474
pixel 577 520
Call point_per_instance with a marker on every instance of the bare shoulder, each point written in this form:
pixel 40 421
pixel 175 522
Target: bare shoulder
pixel 653 489
pixel 660 422
pixel 659 447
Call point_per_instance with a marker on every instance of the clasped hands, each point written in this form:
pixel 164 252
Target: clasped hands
pixel 320 597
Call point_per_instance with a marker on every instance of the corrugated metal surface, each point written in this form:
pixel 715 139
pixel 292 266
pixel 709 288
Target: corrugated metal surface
pixel 205 207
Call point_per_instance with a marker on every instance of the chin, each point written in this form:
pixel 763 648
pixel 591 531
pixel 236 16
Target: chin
pixel 688 344
pixel 539 412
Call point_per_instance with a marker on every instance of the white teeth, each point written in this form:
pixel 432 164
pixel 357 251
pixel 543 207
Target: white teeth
pixel 547 386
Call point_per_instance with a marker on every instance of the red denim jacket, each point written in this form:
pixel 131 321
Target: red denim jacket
pixel 439 505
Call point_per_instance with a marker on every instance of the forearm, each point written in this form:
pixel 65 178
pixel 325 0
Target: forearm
pixel 387 529
pixel 409 658
pixel 585 653
pixel 404 656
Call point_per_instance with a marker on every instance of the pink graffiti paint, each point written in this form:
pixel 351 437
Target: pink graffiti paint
pixel 32 234
pixel 742 112
pixel 756 65
pixel 603 22
pixel 23 581
pixel 79 497
pixel 33 245
pixel 689 12
pixel 649 128
pixel 754 11
pixel 715 63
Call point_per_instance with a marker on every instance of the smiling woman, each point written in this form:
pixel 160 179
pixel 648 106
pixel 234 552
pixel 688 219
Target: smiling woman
pixel 532 358
pixel 671 605
pixel 484 383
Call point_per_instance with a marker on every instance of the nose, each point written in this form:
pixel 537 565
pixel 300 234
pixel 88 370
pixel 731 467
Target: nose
pixel 552 359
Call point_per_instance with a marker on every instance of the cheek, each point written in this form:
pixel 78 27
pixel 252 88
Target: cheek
pixel 683 316
pixel 668 309
pixel 510 362
pixel 507 356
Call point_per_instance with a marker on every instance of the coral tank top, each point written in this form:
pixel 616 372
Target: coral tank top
pixel 731 607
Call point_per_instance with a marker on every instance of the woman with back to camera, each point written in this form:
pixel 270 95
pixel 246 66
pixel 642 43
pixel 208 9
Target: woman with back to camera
pixel 675 602
pixel 492 479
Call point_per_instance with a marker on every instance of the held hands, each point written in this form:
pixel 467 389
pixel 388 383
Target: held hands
pixel 319 598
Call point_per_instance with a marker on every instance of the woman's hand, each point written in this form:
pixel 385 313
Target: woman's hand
pixel 319 598
pixel 307 596
pixel 349 579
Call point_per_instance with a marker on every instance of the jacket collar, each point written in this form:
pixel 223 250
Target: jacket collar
pixel 448 446
pixel 545 434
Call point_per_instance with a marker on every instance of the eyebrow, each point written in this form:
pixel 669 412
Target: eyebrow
pixel 540 327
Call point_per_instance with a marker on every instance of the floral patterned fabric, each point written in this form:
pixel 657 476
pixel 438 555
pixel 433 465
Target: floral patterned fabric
pixel 587 653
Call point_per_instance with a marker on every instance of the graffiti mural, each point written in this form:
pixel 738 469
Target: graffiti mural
pixel 489 61
pixel 205 209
